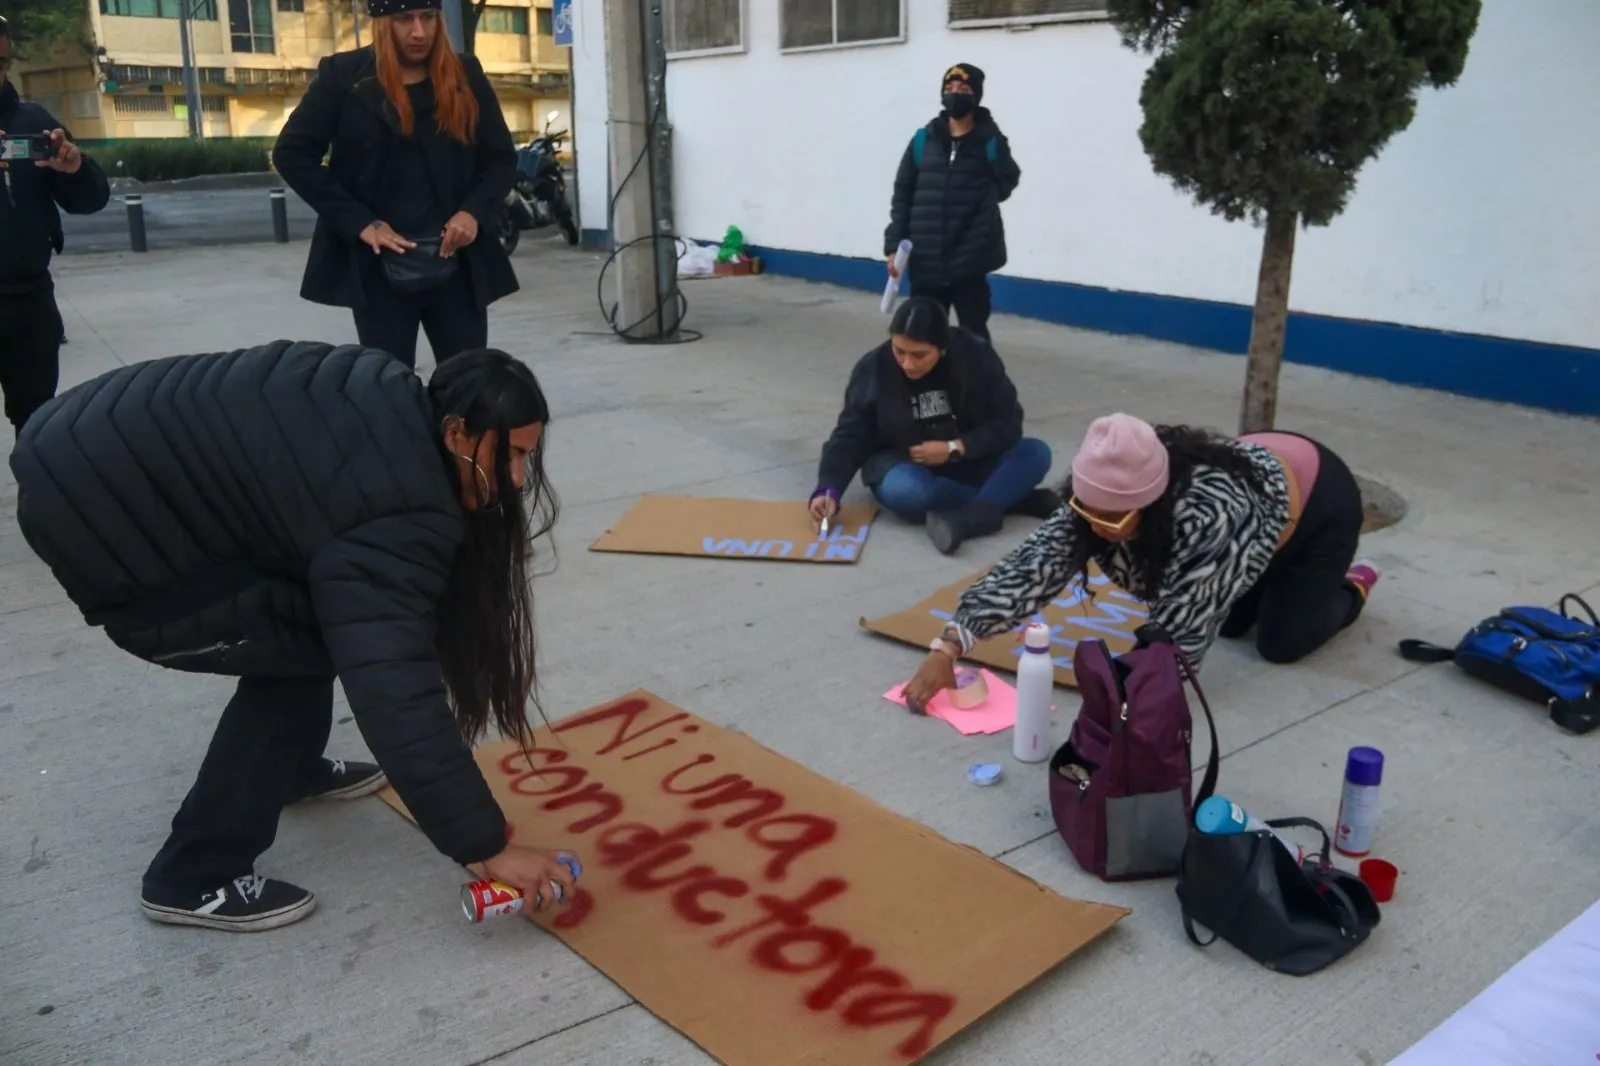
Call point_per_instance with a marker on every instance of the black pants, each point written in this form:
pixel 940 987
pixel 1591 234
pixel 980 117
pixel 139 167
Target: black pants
pixel 970 299
pixel 450 315
pixel 265 754
pixel 30 350
pixel 1303 598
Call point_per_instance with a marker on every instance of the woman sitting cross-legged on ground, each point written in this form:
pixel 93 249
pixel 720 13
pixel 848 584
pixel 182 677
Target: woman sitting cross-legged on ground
pixel 1216 535
pixel 932 423
pixel 288 515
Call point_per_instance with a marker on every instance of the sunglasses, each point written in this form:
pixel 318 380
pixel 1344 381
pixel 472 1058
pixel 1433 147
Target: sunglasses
pixel 1119 526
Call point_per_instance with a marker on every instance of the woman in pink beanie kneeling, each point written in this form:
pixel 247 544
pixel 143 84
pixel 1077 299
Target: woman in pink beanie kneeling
pixel 1217 535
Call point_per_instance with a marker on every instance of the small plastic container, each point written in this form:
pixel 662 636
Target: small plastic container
pixel 1380 876
pixel 971 690
pixel 984 774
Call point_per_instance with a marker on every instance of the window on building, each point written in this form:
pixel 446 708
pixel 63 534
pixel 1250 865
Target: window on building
pixel 202 10
pixel 504 20
pixel 293 7
pixel 250 25
pixel 974 14
pixel 703 27
pixel 547 22
pixel 830 23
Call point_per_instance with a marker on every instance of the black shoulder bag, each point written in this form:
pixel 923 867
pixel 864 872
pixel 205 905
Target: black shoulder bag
pixel 419 269
pixel 1247 889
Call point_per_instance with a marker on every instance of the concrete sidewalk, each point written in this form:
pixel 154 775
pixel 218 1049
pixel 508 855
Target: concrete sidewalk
pixel 1488 809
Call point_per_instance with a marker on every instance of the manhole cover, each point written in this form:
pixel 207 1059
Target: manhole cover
pixel 1381 505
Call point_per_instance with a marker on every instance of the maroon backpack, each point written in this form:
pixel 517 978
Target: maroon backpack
pixel 1120 785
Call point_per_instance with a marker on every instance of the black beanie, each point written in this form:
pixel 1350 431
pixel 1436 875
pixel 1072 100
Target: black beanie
pixel 968 73
pixel 379 8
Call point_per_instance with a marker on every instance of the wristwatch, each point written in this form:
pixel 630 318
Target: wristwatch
pixel 945 641
pixel 957 451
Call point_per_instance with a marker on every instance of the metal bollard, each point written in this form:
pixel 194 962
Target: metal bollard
pixel 280 215
pixel 136 236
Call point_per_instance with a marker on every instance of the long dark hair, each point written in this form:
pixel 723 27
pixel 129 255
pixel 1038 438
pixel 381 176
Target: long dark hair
pixel 485 620
pixel 1151 545
pixel 924 321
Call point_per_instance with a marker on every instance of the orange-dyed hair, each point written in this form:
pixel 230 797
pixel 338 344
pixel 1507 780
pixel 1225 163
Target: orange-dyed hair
pixel 455 105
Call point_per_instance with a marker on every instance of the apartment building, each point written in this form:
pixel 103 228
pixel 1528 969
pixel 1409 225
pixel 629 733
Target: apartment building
pixel 255 58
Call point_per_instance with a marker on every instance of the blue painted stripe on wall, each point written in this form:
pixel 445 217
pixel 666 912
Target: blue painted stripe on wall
pixel 1550 376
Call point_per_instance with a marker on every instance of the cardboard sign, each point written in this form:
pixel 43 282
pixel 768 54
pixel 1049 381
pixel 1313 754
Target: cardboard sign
pixel 737 529
pixel 767 913
pixel 1112 616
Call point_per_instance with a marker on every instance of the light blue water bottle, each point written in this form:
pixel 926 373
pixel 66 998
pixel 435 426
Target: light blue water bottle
pixel 1219 816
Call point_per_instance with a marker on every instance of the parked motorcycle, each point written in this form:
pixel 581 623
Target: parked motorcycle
pixel 539 198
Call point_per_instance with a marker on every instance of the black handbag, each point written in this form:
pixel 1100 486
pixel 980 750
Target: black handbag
pixel 418 269
pixel 1293 918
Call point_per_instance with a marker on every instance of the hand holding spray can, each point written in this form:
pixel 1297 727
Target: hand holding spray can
pixel 490 899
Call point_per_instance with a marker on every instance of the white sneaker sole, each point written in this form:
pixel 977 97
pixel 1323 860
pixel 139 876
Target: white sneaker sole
pixel 254 923
pixel 350 792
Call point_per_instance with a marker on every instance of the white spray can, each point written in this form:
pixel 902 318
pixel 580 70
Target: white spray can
pixel 1036 678
pixel 1358 806
pixel 902 256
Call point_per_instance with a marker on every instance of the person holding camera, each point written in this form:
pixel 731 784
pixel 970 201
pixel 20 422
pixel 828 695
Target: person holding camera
pixel 41 174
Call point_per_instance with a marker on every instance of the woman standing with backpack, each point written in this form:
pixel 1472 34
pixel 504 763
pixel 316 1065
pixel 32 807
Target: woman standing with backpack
pixel 955 174
pixel 1217 535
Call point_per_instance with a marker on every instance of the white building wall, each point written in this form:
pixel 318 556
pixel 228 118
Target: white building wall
pixel 1483 217
pixel 590 102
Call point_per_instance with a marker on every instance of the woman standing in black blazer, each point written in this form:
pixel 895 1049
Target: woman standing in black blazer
pixel 420 162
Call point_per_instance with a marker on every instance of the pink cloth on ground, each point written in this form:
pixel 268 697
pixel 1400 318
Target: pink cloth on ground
pixel 1299 453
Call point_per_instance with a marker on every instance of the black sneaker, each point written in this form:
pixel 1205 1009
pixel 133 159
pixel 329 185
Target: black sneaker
pixel 342 780
pixel 1040 503
pixel 248 904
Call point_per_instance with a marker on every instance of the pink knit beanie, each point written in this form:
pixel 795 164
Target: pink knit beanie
pixel 1122 465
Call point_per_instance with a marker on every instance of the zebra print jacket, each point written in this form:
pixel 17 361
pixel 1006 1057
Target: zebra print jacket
pixel 1224 535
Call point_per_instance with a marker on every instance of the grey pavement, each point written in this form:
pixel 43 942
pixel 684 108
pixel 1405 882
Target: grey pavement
pixel 1489 810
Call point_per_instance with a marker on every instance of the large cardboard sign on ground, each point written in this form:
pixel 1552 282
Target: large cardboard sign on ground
pixel 737 529
pixel 767 913
pixel 1112 616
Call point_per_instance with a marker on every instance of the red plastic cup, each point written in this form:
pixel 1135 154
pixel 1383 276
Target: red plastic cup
pixel 1379 876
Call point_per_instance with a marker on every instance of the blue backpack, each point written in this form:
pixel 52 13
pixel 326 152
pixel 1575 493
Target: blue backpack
pixel 990 150
pixel 1535 653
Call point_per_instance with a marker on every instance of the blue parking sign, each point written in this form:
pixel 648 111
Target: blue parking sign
pixel 561 17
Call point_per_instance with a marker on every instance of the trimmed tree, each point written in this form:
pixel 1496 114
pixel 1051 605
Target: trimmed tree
pixel 1267 110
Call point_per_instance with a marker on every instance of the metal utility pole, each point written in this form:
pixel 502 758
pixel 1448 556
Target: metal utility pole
pixel 191 76
pixel 454 23
pixel 641 152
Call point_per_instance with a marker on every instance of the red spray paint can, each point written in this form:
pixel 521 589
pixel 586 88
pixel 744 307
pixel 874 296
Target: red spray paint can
pixel 490 899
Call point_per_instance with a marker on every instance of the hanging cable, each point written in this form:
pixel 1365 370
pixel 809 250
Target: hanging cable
pixel 681 335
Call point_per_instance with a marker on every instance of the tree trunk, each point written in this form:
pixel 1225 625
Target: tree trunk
pixel 1268 324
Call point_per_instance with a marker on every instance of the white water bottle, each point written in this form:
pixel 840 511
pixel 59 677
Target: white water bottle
pixel 1036 678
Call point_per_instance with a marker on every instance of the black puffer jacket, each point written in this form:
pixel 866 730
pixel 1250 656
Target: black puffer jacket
pixel 283 510
pixel 949 208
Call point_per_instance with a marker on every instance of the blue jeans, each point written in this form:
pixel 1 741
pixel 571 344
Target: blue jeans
pixel 911 491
